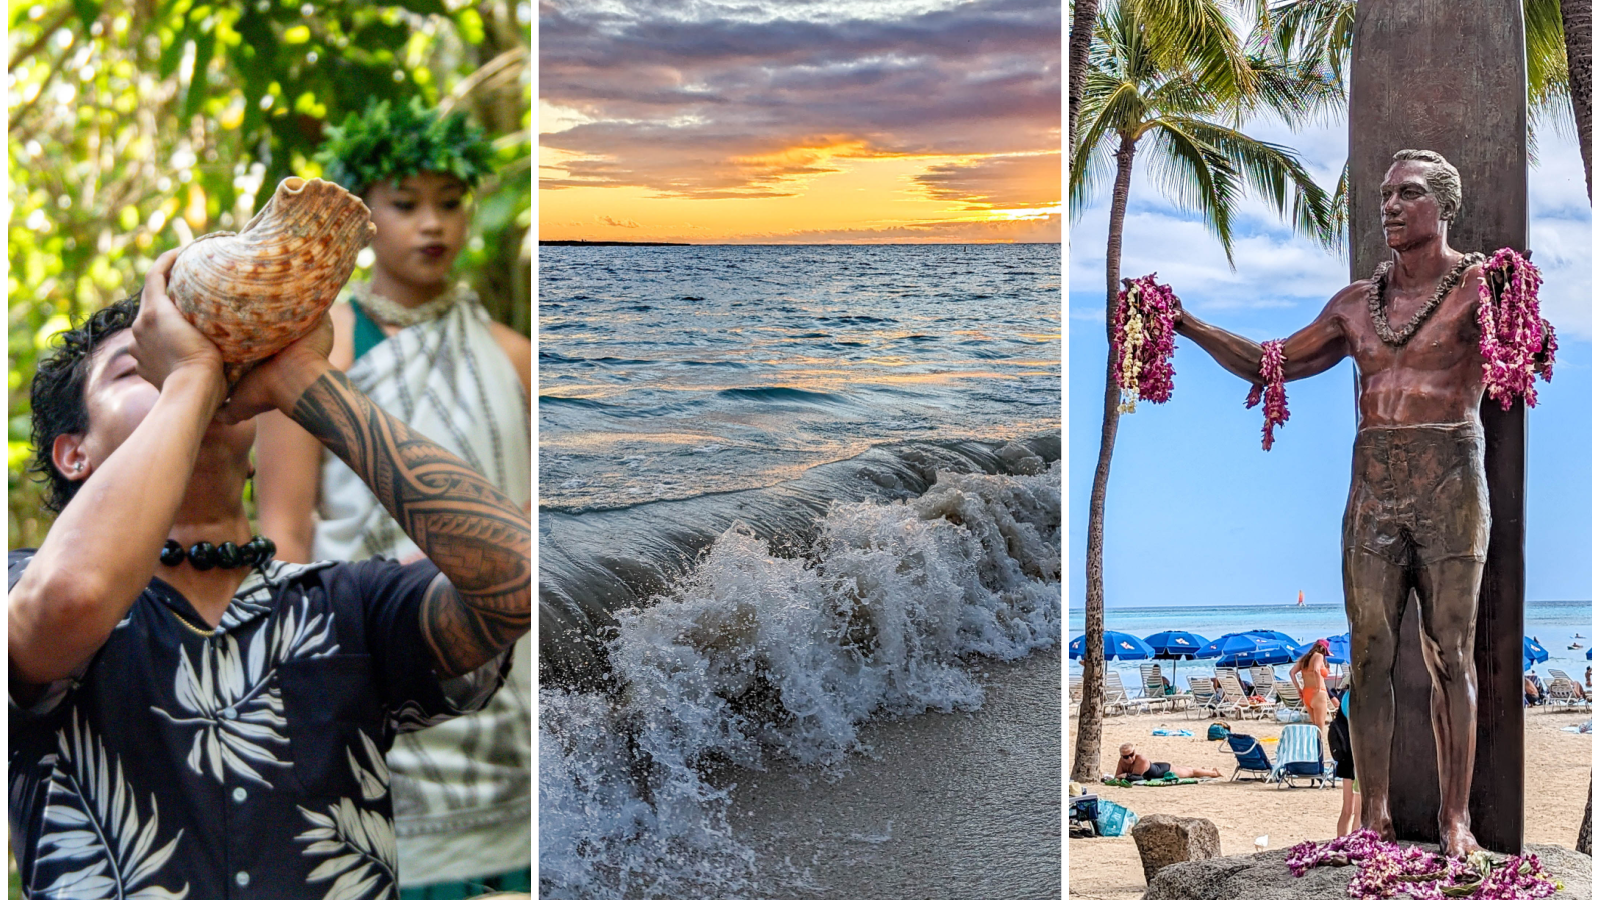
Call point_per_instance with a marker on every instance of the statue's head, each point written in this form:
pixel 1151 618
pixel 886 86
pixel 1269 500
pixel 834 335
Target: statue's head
pixel 1421 192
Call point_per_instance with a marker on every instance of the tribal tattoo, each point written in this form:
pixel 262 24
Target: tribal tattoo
pixel 479 538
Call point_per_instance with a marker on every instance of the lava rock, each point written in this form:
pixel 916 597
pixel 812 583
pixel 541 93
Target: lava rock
pixel 1163 840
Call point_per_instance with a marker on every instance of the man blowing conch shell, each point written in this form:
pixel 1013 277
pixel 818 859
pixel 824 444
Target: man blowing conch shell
pixel 190 717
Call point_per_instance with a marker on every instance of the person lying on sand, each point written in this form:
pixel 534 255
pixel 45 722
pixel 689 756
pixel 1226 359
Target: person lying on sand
pixel 1135 766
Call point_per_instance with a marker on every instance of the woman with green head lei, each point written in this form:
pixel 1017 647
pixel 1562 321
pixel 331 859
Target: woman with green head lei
pixel 421 346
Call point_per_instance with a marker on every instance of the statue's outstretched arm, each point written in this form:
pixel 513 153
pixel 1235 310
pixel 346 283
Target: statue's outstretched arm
pixel 1312 350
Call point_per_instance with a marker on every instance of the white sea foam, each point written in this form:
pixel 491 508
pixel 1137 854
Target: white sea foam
pixel 757 653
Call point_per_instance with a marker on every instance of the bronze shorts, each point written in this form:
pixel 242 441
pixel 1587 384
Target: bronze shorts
pixel 1418 494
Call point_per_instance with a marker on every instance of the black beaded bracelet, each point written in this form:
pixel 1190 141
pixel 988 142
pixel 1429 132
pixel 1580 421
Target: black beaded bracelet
pixel 227 555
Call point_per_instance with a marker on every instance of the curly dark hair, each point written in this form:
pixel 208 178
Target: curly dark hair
pixel 59 404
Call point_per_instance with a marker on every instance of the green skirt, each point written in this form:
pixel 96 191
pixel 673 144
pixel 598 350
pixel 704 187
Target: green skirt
pixel 460 890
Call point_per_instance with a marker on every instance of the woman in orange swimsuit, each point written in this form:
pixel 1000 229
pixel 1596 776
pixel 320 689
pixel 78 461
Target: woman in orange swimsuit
pixel 1309 674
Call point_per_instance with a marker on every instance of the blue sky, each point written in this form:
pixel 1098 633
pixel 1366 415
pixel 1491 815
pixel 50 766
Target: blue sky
pixel 1196 512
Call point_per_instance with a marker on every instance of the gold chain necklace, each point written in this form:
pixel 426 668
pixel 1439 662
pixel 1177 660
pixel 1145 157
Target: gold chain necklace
pixel 191 626
pixel 388 312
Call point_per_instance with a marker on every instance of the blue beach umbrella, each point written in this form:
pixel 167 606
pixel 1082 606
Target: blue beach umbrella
pixel 1272 653
pixel 1532 652
pixel 1235 644
pixel 1118 646
pixel 1338 648
pixel 1271 635
pixel 1175 644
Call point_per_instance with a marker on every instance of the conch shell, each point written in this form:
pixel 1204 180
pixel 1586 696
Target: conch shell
pixel 258 291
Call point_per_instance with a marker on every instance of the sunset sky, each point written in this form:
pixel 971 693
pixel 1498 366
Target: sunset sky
pixel 799 121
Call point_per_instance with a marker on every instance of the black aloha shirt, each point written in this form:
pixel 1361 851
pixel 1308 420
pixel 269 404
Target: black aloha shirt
pixel 245 764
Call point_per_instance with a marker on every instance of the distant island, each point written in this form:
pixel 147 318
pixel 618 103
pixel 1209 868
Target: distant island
pixel 613 244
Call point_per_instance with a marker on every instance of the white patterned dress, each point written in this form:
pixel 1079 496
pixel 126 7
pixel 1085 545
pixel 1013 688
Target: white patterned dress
pixel 462 796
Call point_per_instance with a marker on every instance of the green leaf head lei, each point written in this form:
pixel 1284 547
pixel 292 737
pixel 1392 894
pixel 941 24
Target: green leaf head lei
pixel 395 142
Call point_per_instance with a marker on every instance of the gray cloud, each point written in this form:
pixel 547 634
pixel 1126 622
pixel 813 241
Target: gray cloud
pixel 997 182
pixel 704 99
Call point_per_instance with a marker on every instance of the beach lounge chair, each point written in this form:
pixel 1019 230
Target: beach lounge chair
pixel 1300 756
pixel 1129 702
pixel 1233 692
pixel 1249 756
pixel 1262 679
pixel 1561 691
pixel 1576 696
pixel 1205 696
pixel 1155 688
pixel 1289 698
pixel 1075 689
pixel 1116 697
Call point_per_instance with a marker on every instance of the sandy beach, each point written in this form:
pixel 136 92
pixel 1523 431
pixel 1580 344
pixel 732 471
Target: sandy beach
pixel 964 804
pixel 1109 869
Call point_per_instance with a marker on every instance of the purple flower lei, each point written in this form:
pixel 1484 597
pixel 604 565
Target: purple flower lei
pixel 1515 342
pixel 1387 870
pixel 1143 341
pixel 1276 409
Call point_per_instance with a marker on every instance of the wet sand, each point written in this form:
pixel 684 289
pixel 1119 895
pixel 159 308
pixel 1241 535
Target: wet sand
pixel 1557 786
pixel 941 805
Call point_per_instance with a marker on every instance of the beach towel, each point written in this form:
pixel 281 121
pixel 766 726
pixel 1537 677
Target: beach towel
pixel 1168 732
pixel 1299 755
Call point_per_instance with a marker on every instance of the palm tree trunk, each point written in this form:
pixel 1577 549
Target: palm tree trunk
pixel 1083 16
pixel 1585 829
pixel 1575 22
pixel 1086 754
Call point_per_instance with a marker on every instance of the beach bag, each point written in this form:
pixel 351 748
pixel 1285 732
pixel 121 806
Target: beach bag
pixel 1218 732
pixel 1114 820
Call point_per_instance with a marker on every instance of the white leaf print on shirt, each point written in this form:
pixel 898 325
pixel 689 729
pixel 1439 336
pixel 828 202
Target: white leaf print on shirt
pixel 359 842
pixel 92 822
pixel 234 698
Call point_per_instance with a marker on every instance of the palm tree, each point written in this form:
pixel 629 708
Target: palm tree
pixel 1576 21
pixel 1147 86
pixel 1556 45
pixel 1084 13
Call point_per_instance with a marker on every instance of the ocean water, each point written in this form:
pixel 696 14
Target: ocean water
pixel 670 372
pixel 1555 623
pixel 785 492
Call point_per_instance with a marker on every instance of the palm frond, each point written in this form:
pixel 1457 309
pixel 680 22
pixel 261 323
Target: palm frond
pixel 1299 91
pixel 1197 33
pixel 1101 119
pixel 1339 211
pixel 1197 178
pixel 1549 93
pixel 1320 31
pixel 1274 173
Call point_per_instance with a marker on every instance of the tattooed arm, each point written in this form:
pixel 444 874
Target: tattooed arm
pixel 480 539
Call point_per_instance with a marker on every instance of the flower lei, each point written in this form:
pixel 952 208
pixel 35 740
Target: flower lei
pixel 1513 336
pixel 1143 341
pixel 1276 409
pixel 1388 870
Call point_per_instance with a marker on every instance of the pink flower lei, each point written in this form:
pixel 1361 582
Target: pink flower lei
pixel 1276 409
pixel 1388 870
pixel 1515 342
pixel 1142 342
